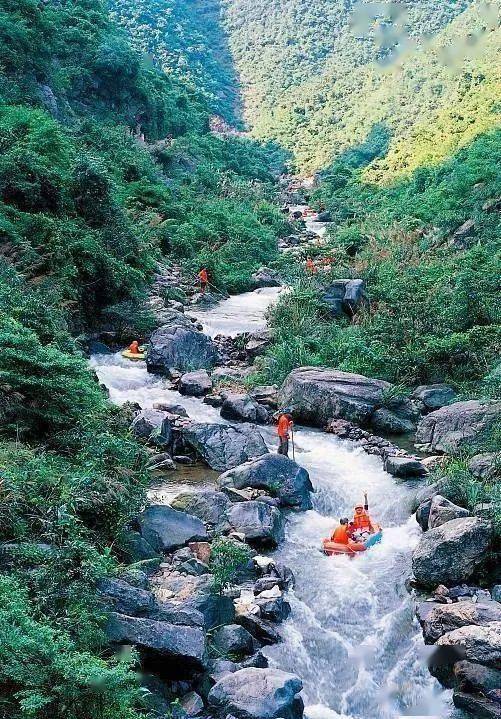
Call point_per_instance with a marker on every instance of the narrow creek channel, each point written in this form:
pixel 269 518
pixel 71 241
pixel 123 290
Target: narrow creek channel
pixel 351 636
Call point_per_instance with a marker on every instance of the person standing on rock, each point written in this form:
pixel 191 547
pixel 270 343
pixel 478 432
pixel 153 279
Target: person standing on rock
pixel 284 426
pixel 204 280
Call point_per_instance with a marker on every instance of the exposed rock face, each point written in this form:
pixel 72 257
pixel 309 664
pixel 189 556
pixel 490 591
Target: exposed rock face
pixel 258 694
pixel 262 629
pixel 242 408
pixel 476 678
pixel 430 397
pixel 233 639
pixel 486 466
pixel 404 467
pixel 179 345
pixel 166 529
pixel 442 511
pixel 259 522
pixel 161 464
pixel 445 618
pixel 265 394
pixel 477 705
pixel 183 648
pixel 195 384
pixel 481 644
pixel 266 277
pixel 388 422
pixel 277 474
pixel 452 427
pixel 317 395
pixel 211 507
pixel 423 514
pixel 258 343
pixel 450 553
pixel 223 446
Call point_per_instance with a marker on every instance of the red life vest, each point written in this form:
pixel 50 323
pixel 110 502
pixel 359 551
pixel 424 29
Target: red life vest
pixel 362 520
pixel 340 534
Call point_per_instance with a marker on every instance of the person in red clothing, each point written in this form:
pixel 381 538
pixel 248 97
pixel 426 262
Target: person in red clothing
pixel 134 348
pixel 310 266
pixel 284 426
pixel 362 523
pixel 204 279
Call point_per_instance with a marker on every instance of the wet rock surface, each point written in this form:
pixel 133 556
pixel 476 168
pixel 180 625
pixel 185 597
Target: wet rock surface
pixel 242 408
pixel 179 345
pixel 166 529
pixel 224 446
pixel 260 523
pixel 450 428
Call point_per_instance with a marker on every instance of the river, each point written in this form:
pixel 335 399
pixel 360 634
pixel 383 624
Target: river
pixel 351 636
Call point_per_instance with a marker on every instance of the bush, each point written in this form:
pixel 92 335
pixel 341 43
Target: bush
pixel 227 558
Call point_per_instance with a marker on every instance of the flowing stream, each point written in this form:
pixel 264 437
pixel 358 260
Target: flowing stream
pixel 351 636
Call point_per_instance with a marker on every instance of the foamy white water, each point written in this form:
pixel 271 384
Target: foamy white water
pixel 351 636
pixel 239 313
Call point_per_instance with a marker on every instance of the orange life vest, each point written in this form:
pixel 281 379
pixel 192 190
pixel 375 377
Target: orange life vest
pixel 134 348
pixel 362 521
pixel 340 534
pixel 283 426
pixel 204 277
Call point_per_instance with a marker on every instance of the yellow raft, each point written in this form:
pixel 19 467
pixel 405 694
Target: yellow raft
pixel 134 356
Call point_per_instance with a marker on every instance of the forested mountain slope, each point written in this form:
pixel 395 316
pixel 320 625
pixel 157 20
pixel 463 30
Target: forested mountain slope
pixel 407 65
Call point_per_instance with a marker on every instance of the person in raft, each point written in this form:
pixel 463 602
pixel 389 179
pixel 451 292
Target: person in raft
pixel 134 348
pixel 204 280
pixel 284 426
pixel 342 534
pixel 362 525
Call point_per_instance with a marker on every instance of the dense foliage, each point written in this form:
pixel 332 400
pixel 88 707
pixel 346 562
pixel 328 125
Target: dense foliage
pixel 106 166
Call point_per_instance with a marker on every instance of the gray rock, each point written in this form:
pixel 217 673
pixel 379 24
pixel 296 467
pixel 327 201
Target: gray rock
pixel 233 639
pixel 447 617
pixel 258 343
pixel 258 694
pixel 442 510
pixel 260 628
pixel 160 464
pixel 423 514
pixel 478 706
pixel 179 345
pixel 265 583
pixel 496 592
pixel 486 467
pixel 466 230
pixel 209 506
pixel 318 395
pixel 175 614
pixel 476 678
pixel 265 277
pixel 453 427
pixel 137 549
pixel 223 446
pixel 151 424
pixel 260 523
pixel 430 397
pixel 126 599
pixel 171 408
pixel 181 648
pixel 275 609
pixel 265 394
pixel 480 644
pixel 231 374
pixel 216 609
pixel 242 408
pixel 451 553
pixel 278 475
pixel 387 422
pixel 192 704
pixel 166 529
pixel 404 467
pixel 427 492
pixel 324 216
pixel 195 384
pixel 344 297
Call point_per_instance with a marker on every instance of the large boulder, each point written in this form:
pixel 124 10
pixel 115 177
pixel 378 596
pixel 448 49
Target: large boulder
pixel 472 677
pixel 209 506
pixel 449 554
pixel 258 343
pixel 179 650
pixel 151 424
pixel 430 397
pixel 344 297
pixel 260 523
pixel 445 618
pixel 486 467
pixel 179 345
pixel 195 384
pixel 223 446
pixel 278 475
pixel 478 705
pixel 126 599
pixel 258 694
pixel 442 511
pixel 423 514
pixel 450 428
pixel 242 408
pixel 480 644
pixel 404 467
pixel 265 394
pixel 318 394
pixel 166 529
pixel 233 639
pixel 266 277
pixel 387 422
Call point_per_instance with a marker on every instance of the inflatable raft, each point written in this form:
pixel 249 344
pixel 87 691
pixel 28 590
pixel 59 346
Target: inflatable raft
pixel 352 548
pixel 134 355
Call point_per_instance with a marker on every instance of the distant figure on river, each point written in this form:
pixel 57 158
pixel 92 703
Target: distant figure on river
pixel 284 426
pixel 204 280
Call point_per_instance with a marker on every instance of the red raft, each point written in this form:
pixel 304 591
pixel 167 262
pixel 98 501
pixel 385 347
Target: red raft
pixel 352 548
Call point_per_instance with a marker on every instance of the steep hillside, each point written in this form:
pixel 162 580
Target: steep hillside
pixel 407 69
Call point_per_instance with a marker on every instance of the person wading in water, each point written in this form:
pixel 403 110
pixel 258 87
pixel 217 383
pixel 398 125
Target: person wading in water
pixel 284 426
